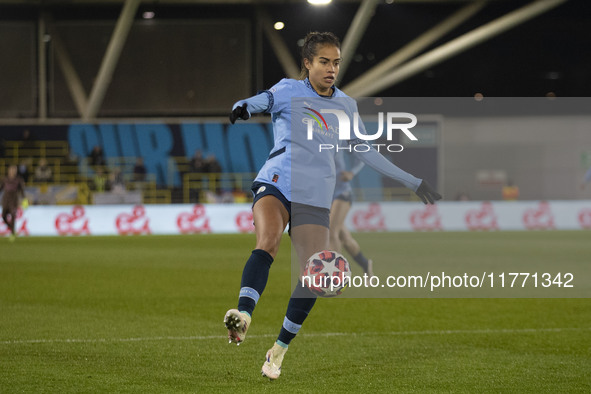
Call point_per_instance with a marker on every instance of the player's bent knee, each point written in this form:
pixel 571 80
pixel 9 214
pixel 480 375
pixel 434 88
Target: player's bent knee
pixel 269 243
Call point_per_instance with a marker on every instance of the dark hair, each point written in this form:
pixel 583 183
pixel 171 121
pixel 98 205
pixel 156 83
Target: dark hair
pixel 310 47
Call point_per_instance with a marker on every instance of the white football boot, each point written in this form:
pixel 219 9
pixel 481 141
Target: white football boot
pixel 273 359
pixel 237 324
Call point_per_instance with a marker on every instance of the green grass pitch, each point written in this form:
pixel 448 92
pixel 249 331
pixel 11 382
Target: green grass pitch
pixel 144 314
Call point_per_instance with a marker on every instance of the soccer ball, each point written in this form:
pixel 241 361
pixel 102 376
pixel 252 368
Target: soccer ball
pixel 327 273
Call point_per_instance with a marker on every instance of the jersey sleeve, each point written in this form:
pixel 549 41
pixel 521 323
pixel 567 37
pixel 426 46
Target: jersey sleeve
pixel 280 95
pixel 255 104
pixel 273 100
pixel 379 163
pixel 375 160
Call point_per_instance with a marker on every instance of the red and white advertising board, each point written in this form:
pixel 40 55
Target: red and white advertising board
pixel 237 218
pixel 472 216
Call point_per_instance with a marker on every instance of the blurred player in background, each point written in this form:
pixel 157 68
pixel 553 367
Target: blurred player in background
pixel 340 237
pixel 273 208
pixel 586 179
pixel 13 186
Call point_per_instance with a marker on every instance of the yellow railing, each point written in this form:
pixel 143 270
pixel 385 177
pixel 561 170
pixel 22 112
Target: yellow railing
pixel 44 194
pixel 156 196
pixel 195 184
pixel 18 150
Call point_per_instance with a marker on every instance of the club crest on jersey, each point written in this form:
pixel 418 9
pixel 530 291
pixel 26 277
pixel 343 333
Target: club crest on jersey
pixel 275 178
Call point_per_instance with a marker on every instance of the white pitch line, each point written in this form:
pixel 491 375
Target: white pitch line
pixel 317 334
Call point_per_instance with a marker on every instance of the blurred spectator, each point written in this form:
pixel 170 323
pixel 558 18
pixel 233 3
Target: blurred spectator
pixel 462 196
pixel 210 197
pixel 212 165
pixel 70 160
pixel 13 186
pixel 240 196
pixel 96 157
pixel 43 172
pixel 197 163
pixel 27 141
pixel 510 191
pixel 116 181
pixel 225 197
pixel 24 169
pixel 139 170
pixel 99 181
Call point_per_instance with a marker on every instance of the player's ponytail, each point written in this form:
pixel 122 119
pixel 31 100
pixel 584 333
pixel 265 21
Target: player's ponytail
pixel 310 47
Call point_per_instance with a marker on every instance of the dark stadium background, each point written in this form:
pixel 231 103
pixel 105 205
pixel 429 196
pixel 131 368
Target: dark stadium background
pixel 548 54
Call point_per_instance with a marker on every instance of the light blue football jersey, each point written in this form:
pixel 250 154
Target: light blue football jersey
pixel 295 166
pixel 303 123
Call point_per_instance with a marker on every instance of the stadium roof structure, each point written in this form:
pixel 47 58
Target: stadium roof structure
pixel 387 43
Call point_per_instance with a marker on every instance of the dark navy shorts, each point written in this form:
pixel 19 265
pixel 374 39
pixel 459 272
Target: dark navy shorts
pixel 298 213
pixel 261 189
pixel 348 197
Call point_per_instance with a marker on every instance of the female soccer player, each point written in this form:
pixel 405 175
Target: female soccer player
pixel 297 192
pixel 12 185
pixel 339 235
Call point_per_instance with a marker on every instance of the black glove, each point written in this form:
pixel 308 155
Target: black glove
pixel 239 113
pixel 427 194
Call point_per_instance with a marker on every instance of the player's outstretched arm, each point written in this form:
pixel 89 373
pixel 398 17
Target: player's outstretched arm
pixel 244 108
pixel 379 163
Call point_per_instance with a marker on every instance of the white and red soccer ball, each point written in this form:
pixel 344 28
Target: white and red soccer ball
pixel 327 273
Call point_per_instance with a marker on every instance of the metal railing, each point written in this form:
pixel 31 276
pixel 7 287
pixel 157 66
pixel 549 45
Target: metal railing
pixel 196 187
pixel 15 151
